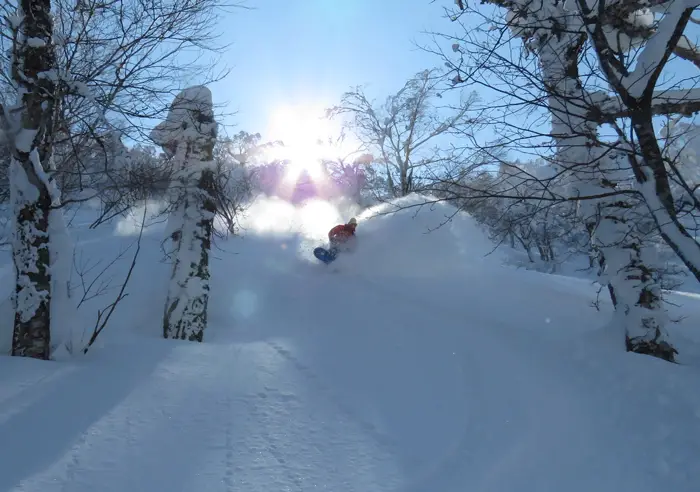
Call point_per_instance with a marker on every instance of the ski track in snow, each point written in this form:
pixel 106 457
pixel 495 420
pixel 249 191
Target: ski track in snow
pixel 180 430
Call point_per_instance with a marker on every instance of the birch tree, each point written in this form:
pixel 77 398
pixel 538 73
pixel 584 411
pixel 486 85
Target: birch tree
pixel 188 135
pixel 28 125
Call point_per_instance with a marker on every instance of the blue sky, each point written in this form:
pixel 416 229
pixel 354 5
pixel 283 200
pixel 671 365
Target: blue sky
pixel 308 52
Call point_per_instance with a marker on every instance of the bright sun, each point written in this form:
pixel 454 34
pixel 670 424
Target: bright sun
pixel 301 128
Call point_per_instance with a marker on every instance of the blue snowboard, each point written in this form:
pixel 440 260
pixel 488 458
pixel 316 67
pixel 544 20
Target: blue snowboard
pixel 325 255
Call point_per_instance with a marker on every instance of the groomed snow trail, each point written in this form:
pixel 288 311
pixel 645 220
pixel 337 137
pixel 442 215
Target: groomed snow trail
pixel 401 380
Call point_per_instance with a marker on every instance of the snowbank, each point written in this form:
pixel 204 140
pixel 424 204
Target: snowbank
pixel 418 237
pixel 411 236
pixel 421 365
pixel 274 216
pixel 275 220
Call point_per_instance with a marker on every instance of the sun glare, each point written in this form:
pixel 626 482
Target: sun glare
pixel 305 133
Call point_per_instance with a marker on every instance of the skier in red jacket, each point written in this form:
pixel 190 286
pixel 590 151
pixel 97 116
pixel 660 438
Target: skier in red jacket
pixel 341 237
pixel 341 234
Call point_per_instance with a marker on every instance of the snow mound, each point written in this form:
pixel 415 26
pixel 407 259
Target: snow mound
pixel 418 236
pixel 414 236
pixel 271 216
pixel 480 378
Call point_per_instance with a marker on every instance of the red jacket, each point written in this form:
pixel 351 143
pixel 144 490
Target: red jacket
pixel 341 233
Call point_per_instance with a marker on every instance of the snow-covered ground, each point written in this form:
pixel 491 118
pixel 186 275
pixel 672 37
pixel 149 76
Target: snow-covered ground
pixel 416 363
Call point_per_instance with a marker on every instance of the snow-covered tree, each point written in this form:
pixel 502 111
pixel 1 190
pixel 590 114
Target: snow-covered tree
pixel 5 155
pixel 607 172
pixel 681 150
pixel 188 135
pixel 350 175
pixel 639 94
pixel 545 229
pixel 233 157
pixel 406 134
pixel 514 201
pixel 349 169
pixel 28 126
pixel 117 64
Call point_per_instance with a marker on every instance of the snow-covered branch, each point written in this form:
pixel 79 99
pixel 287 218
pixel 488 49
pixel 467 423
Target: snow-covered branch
pixel 686 102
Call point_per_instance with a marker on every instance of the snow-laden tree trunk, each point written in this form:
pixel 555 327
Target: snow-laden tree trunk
pixel 189 134
pixel 32 191
pixel 627 264
pixel 637 98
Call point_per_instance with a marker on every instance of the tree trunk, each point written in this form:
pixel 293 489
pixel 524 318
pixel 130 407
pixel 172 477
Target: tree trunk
pixel 635 291
pixel 33 70
pixel 185 316
pixel 634 285
pixel 186 308
pixel 659 198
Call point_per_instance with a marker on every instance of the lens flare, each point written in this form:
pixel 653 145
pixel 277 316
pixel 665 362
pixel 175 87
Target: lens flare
pixel 305 132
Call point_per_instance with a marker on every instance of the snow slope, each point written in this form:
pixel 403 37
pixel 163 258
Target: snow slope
pixel 419 365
